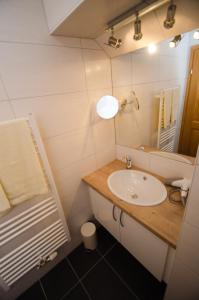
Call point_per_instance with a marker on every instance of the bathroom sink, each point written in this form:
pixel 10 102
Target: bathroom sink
pixel 137 187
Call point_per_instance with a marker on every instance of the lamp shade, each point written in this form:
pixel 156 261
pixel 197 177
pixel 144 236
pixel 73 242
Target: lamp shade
pixel 107 107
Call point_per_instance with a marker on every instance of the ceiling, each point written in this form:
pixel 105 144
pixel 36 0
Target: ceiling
pixel 90 18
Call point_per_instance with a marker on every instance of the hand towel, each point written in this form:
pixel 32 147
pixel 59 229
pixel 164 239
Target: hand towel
pixel 4 202
pixel 21 172
pixel 174 104
pixel 167 96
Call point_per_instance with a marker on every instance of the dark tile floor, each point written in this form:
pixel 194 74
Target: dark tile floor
pixel 108 273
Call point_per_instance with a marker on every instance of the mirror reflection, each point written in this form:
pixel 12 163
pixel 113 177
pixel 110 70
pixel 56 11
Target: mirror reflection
pixel 159 96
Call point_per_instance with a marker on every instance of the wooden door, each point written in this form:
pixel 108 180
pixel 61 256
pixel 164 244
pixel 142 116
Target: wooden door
pixel 189 136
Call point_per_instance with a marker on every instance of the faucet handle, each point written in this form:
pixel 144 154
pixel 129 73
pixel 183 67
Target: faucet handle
pixel 128 161
pixel 128 158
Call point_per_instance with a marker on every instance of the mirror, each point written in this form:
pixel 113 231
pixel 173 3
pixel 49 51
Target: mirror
pixel 166 117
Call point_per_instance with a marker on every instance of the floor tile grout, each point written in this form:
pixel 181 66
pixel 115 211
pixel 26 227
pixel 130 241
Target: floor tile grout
pixel 81 283
pixel 121 279
pixel 70 290
pixel 43 290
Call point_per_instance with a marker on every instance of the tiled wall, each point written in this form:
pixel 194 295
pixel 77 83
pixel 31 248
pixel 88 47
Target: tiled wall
pixel 59 80
pixel 184 282
pixel 167 168
pixel 147 74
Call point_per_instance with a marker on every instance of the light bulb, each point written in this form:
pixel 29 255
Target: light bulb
pixel 107 107
pixel 172 44
pixel 196 35
pixel 152 48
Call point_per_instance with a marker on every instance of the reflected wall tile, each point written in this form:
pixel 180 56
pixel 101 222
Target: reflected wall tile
pixel 146 68
pixel 122 70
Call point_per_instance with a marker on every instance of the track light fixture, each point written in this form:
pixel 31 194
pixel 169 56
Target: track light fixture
pixel 113 41
pixel 137 28
pixel 170 19
pixel 174 43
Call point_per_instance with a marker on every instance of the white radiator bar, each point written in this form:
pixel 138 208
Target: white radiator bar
pixel 19 216
pixel 25 253
pixel 34 255
pixel 25 245
pixel 14 224
pixel 29 225
pixel 55 247
pixel 15 264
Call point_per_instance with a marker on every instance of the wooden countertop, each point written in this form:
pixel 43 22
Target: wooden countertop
pixel 164 219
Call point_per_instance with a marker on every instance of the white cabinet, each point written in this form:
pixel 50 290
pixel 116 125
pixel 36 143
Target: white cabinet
pixel 106 213
pixel 150 250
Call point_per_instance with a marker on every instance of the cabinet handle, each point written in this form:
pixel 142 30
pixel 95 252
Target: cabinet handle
pixel 121 218
pixel 113 213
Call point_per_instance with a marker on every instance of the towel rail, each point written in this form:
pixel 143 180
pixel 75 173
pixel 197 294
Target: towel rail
pixel 44 214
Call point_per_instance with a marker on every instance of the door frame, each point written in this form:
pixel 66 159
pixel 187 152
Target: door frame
pixel 186 102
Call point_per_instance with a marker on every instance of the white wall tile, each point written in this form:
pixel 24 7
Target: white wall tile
pixel 89 44
pixel 103 132
pixel 32 70
pixel 146 68
pixel 25 21
pixel 188 247
pixel 3 95
pixel 67 148
pixel 98 69
pixel 183 284
pixel 122 70
pixel 105 157
pixel 77 202
pixel 139 158
pixel 70 178
pixel 5 111
pixel 56 114
pixel 192 210
pixel 170 168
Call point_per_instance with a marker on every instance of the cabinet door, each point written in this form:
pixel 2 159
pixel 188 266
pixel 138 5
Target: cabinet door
pixel 105 213
pixel 150 250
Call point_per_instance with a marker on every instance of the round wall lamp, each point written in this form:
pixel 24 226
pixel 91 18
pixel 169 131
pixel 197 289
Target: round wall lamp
pixel 196 35
pixel 107 107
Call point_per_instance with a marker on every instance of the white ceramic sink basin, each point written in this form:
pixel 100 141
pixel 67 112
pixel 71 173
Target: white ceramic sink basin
pixel 137 187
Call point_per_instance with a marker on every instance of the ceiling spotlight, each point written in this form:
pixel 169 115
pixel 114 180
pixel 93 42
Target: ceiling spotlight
pixel 196 35
pixel 113 41
pixel 137 29
pixel 152 48
pixel 170 19
pixel 176 40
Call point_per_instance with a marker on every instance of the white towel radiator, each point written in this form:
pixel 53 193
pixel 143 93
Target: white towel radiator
pixel 32 230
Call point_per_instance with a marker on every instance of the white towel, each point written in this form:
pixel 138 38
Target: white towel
pixel 174 104
pixel 167 100
pixel 21 173
pixel 4 202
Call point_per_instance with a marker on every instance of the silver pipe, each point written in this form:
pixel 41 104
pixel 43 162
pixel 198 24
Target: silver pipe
pixel 130 15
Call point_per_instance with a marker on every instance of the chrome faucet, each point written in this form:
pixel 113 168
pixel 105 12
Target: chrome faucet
pixel 128 162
